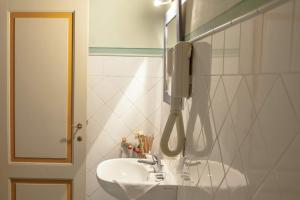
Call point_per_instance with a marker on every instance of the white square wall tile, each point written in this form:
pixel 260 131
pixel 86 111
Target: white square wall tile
pixel 232 49
pixel 132 66
pixel 228 141
pixel 255 153
pixel 202 63
pixel 148 82
pixel 205 181
pixel 151 67
pixel 201 58
pixel 219 106
pixel 132 118
pixel 215 166
pixel 288 171
pixel 148 128
pixel 99 194
pixel 95 65
pixel 217 53
pixel 242 111
pixel 91 182
pixel 116 128
pixel 122 93
pixel 292 82
pixel 231 84
pixel 135 89
pixel 269 190
pixel 289 162
pixel 191 193
pixel 199 133
pixel 236 166
pixel 98 121
pixel 198 114
pixel 94 102
pixel 148 103
pixel 223 192
pixel 260 86
pixel 255 159
pixel 198 118
pixel 211 83
pixel 200 87
pixel 278 121
pixel 296 39
pixel 121 66
pixel 98 148
pixel 94 80
pixel 155 118
pixel 120 104
pixel 93 131
pixel 238 190
pixel 107 89
pixel 277 35
pixel 250 47
pixel 121 82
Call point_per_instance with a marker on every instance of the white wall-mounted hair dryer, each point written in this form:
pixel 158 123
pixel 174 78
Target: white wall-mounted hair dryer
pixel 180 89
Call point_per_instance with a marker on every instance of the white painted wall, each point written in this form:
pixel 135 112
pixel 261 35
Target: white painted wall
pixel 126 24
pixel 199 12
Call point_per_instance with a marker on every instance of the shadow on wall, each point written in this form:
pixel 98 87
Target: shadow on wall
pixel 205 165
pixel 199 144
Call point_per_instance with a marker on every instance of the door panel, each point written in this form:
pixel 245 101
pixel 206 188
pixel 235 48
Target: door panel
pixel 23 189
pixel 41 87
pixel 43 61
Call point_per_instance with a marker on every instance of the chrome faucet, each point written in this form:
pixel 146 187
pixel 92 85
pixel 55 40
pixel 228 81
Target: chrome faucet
pixel 159 166
pixel 156 163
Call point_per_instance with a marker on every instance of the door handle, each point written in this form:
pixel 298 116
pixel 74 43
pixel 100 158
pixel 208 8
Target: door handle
pixel 78 126
pixel 79 138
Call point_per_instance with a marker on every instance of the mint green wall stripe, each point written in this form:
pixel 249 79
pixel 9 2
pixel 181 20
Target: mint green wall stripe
pixel 126 51
pixel 242 8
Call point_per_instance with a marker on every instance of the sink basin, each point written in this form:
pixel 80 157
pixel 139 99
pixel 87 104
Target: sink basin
pixel 123 170
pixel 115 175
pixel 126 174
pixel 211 179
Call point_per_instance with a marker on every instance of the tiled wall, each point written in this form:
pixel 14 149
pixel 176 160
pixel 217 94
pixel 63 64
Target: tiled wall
pixel 248 91
pixel 124 94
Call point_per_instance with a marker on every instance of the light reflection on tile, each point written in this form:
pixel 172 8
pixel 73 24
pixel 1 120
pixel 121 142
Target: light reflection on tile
pixel 255 107
pixel 119 89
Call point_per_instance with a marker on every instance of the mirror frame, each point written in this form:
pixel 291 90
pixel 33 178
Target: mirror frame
pixel 173 12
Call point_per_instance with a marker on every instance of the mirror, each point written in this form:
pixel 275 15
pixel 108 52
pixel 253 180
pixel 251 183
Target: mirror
pixel 172 34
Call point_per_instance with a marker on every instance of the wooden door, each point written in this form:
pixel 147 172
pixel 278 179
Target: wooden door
pixel 43 61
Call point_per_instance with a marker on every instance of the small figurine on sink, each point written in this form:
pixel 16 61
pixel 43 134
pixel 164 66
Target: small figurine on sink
pixel 143 146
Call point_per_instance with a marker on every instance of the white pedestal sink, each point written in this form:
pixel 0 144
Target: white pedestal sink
pixel 131 174
pixel 123 170
pixel 116 174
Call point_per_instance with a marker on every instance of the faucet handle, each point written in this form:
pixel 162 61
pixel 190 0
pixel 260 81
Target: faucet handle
pixel 154 157
pixel 158 167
